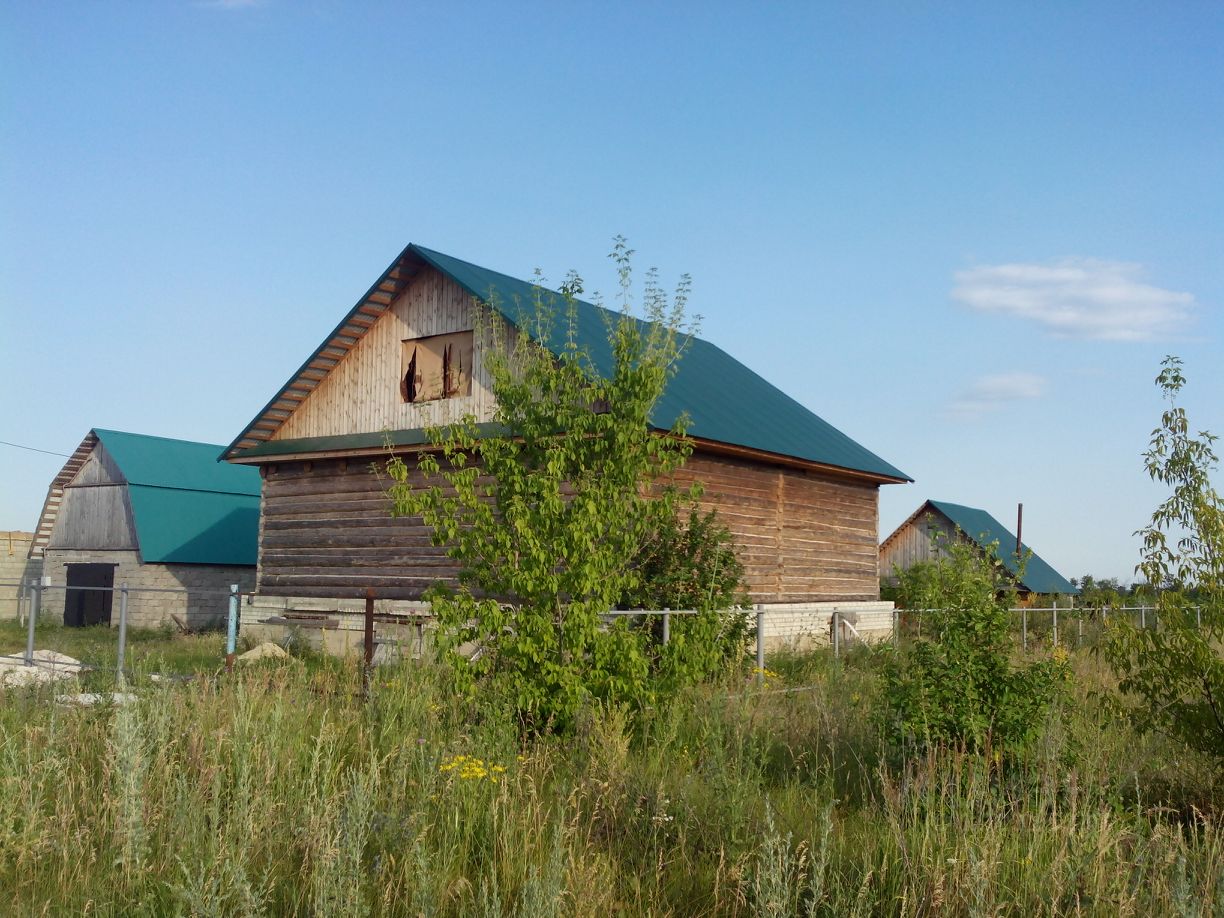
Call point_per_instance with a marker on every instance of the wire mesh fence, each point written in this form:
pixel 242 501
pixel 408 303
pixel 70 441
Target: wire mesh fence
pixel 1036 628
pixel 77 651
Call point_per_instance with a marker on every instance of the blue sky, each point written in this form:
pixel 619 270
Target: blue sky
pixel 965 234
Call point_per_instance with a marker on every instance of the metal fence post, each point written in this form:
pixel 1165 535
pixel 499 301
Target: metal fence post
pixel 1198 617
pixel 896 627
pixel 760 645
pixel 123 603
pixel 1055 624
pixel 836 635
pixel 666 626
pixel 35 608
pixel 1143 616
pixel 231 629
pixel 1024 628
pixel 1080 643
pixel 21 595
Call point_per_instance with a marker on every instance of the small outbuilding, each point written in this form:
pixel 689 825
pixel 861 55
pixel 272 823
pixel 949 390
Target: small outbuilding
pixel 919 537
pixel 162 516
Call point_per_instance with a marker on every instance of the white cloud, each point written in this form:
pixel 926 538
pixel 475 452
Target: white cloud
pixel 1078 298
pixel 990 393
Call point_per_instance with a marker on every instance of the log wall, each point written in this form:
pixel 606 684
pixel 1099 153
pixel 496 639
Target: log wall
pixel 326 531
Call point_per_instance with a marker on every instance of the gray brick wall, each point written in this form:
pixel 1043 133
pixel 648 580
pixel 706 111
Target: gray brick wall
pixel 15 567
pixel 197 587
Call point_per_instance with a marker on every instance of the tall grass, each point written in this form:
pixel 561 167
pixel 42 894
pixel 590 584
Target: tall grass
pixel 284 790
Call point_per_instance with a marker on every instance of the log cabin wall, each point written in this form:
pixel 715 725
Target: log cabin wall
pixel 362 392
pixel 801 536
pixel 326 531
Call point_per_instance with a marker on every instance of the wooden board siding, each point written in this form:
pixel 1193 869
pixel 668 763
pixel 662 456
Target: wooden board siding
pixel 99 469
pixel 94 517
pixel 911 544
pixel 362 392
pixel 326 531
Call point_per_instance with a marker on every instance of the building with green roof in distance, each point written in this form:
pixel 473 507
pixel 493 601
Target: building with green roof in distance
pixel 919 537
pixel 152 513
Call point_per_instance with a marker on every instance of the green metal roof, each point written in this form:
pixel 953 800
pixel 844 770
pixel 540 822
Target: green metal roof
pixel 164 463
pixel 983 529
pixel 186 507
pixel 725 401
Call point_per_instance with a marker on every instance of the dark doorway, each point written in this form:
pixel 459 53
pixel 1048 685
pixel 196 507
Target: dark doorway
pixel 85 606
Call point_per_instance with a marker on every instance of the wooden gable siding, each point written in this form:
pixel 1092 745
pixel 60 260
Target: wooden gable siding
pixel 95 512
pixel 99 469
pixel 95 517
pixel 326 531
pixel 911 544
pixel 362 393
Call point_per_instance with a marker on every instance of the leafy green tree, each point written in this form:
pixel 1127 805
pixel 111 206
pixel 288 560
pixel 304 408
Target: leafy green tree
pixel 1172 676
pixel 955 684
pixel 547 519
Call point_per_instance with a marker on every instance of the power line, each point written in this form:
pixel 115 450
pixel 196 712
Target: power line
pixel 35 449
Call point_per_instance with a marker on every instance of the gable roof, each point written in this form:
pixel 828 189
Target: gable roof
pixel 982 529
pixel 726 402
pixel 186 508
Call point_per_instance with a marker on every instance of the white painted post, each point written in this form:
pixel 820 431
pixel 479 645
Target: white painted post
pixel 1143 616
pixel 1055 623
pixel 35 608
pixel 1024 628
pixel 231 631
pixel 836 635
pixel 666 626
pixel 123 603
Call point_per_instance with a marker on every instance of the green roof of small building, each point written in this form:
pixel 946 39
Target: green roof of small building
pixel 187 508
pixel 724 400
pixel 983 529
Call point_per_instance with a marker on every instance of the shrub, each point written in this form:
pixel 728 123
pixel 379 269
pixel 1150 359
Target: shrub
pixel 955 684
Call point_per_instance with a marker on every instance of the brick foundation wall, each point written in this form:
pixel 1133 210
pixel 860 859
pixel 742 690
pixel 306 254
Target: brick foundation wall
pixel 798 626
pixel 200 606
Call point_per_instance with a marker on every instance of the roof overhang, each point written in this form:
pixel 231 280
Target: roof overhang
pixel 365 445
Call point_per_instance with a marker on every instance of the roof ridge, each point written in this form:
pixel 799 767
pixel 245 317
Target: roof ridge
pixel 100 431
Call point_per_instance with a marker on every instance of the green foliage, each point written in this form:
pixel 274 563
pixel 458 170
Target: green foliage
pixel 547 520
pixel 955 683
pixel 692 566
pixel 1172 676
pixel 1102 593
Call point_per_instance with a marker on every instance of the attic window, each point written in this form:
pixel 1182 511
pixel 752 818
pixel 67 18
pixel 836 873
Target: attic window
pixel 436 367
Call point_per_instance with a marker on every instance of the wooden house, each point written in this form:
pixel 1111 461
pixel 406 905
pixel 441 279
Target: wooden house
pixel 919 538
pixel 162 516
pixel 800 497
